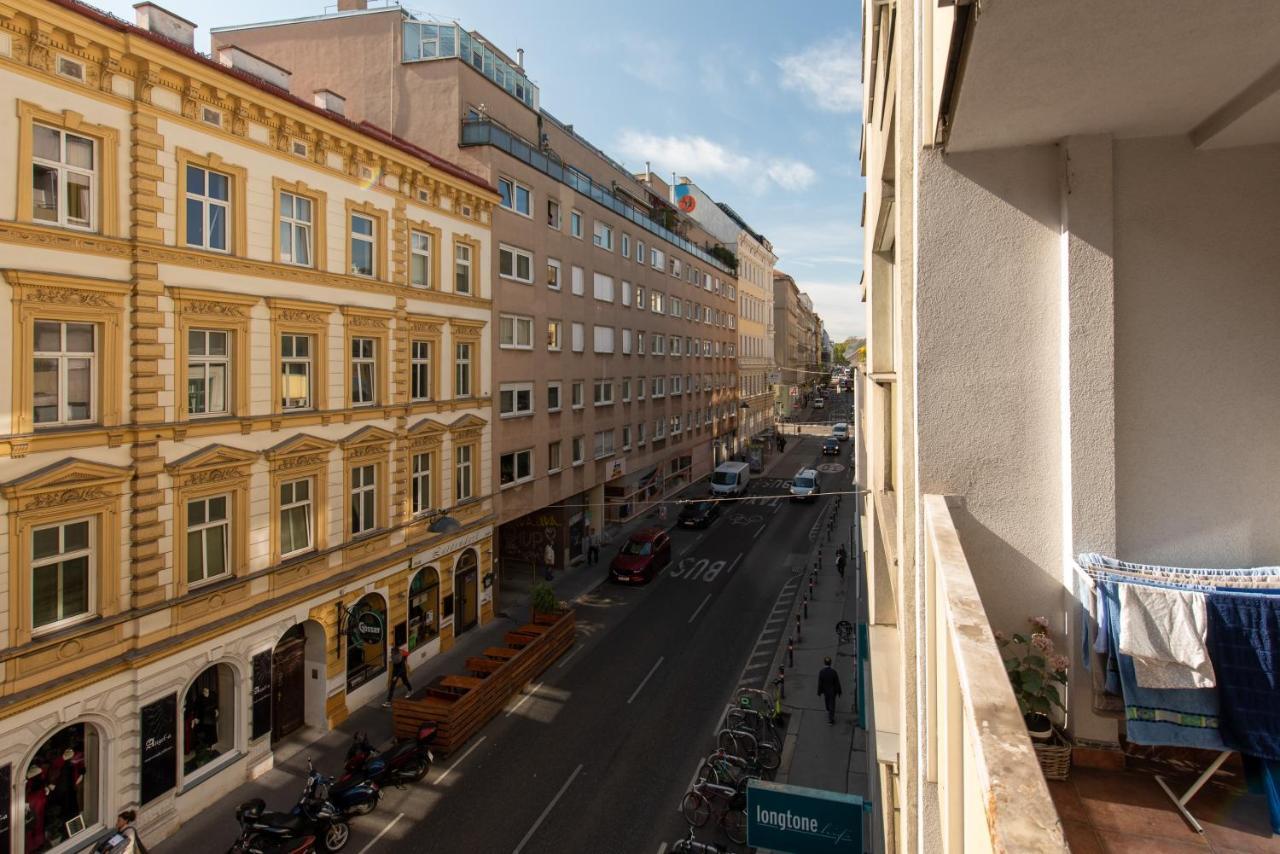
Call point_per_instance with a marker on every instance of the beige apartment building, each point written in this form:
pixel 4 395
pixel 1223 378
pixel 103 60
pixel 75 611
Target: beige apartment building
pixel 245 438
pixel 615 361
pixel 795 344
pixel 1071 300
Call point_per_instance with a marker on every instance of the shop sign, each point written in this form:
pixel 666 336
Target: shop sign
pixel 260 695
pixel 801 820
pixel 615 468
pixel 433 554
pixel 368 628
pixel 159 741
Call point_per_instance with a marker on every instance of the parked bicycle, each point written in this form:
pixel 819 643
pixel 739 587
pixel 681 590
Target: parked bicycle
pixel 743 742
pixel 764 726
pixel 690 845
pixel 727 803
pixel 725 769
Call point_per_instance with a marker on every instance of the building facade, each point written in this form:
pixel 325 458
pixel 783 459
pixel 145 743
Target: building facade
pixel 617 340
pixel 795 345
pixel 246 442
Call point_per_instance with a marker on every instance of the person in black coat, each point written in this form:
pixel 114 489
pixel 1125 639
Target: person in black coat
pixel 829 688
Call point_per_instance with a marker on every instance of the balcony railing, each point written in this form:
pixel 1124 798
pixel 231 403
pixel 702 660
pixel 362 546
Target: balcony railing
pixel 990 793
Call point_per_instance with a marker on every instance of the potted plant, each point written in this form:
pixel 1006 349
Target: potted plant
pixel 1035 672
pixel 542 599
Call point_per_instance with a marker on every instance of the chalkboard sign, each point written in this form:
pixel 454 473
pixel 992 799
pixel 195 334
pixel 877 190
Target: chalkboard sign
pixel 6 785
pixel 446 607
pixel 260 695
pixel 159 747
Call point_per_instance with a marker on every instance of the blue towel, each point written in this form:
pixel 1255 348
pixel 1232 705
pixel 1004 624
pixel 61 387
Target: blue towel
pixel 1244 645
pixel 1180 718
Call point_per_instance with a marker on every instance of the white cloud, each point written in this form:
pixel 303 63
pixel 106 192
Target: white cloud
pixel 699 157
pixel 827 72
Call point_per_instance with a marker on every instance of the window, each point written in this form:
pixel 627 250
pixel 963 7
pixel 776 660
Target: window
pixel 515 332
pixel 462 268
pixel 515 196
pixel 676 429
pixel 515 399
pixel 462 370
pixel 295 371
pixel 602 236
pixel 579 450
pixel 626 342
pixel 579 333
pixel 626 437
pixel 553 457
pixel 656 258
pixel 363 371
pixel 553 396
pixel 626 293
pixel 659 344
pixel 674 345
pixel 640 435
pixel 659 429
pixel 625 249
pixel 208 205
pixel 420 250
pixel 61 572
pixel 553 274
pixel 554 335
pixel 675 307
pixel 515 264
pixel 602 288
pixel 659 388
pixel 420 483
pixel 626 390
pixel 515 467
pixel 639 343
pixel 575 223
pixel 675 267
pixel 603 392
pixel 362 245
pixel 64 178
pixel 576 394
pixel 640 301
pixel 462 473
pixel 208 362
pixel 604 444
pixel 364 499
pixel 676 387
pixel 658 302
pixel 577 285
pixel 208 536
pixel 603 342
pixel 295 229
pixel 641 385
pixel 640 251
pixel 424 608
pixel 420 370
pixel 295 517
pixel 553 214
pixel 64 390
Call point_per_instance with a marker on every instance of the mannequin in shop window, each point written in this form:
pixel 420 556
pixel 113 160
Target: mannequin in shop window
pixel 55 796
pixel 201 729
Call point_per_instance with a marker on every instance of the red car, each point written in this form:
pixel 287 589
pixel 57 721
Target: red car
pixel 646 553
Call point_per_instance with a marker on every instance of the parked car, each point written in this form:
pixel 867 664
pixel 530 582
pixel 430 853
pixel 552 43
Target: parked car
pixel 805 485
pixel 840 431
pixel 700 514
pixel 645 553
pixel 831 446
pixel 819 403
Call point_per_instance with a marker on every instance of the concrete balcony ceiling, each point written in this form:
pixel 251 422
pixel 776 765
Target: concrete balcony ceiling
pixel 1035 71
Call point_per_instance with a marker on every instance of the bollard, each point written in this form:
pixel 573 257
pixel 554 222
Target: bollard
pixel 782 683
pixel 791 652
pixel 811 585
pixel 806 607
pixel 799 633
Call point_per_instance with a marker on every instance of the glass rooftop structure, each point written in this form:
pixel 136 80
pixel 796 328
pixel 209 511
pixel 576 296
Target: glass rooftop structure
pixel 425 41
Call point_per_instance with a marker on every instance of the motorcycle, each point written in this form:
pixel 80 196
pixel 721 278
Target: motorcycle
pixel 406 761
pixel 311 816
pixel 351 795
pixel 256 845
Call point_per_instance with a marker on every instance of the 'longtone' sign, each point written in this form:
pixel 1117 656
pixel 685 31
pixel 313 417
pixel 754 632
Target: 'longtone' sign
pixel 800 820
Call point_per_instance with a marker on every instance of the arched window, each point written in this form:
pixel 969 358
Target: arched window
pixel 62 788
pixel 366 641
pixel 208 718
pixel 424 608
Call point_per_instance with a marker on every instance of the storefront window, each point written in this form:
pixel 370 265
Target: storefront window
pixel 366 641
pixel 424 608
pixel 208 718
pixel 62 788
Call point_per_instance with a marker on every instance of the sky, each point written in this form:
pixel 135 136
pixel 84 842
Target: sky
pixel 759 105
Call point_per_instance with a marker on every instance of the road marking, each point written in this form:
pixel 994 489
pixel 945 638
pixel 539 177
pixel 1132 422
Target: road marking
pixel 390 825
pixel 735 563
pixel 546 811
pixel 571 654
pixel 759 530
pixel 698 610
pixel 449 770
pixel 652 670
pixel 524 699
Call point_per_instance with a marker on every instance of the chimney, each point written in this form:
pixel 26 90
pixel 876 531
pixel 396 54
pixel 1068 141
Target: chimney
pixel 153 18
pixel 352 5
pixel 241 60
pixel 520 58
pixel 331 101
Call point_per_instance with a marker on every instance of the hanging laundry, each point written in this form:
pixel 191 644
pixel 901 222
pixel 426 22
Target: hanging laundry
pixel 1164 631
pixel 1244 643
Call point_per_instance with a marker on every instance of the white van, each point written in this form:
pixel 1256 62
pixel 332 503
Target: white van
pixel 805 486
pixel 841 431
pixel 730 479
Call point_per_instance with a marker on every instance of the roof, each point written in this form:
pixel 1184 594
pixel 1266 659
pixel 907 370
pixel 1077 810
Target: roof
pixel 386 137
pixel 733 215
pixel 645 534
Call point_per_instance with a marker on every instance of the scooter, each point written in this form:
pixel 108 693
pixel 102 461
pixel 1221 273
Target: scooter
pixel 351 795
pixel 406 761
pixel 311 816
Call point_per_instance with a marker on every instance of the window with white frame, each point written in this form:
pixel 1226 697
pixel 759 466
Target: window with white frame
pixel 462 268
pixel 420 370
pixel 420 482
pixel 575 392
pixel 364 371
pixel 575 223
pixel 420 249
pixel 208 537
pixel 553 457
pixel 462 486
pixel 578 281
pixel 553 274
pixel 604 444
pixel 640 435
pixel 364 499
pixel 553 214
pixel 515 467
pixel 603 392
pixel 602 235
pixel 64 387
pixel 640 298
pixel 659 344
pixel 295 229
pixel 64 178
pixel 553 396
pixel 673 345
pixel 515 400
pixel 657 258
pixel 675 267
pixel 626 293
pixel 603 336
pixel 602 287
pixel 640 256
pixel 658 302
pixel 626 437
pixel 626 390
pixel 626 342
pixel 641 385
pixel 579 450
pixel 676 386
pixel 295 371
pixel 208 209
pixel 515 196
pixel 625 248
pixel 62 572
pixel 208 371
pixel 555 333
pixel 515 264
pixel 659 429
pixel 578 333
pixel 362 235
pixel 639 342
pixel 295 517
pixel 676 429
pixel 515 332
pixel 659 387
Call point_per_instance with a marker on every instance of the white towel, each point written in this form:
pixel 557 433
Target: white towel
pixel 1165 631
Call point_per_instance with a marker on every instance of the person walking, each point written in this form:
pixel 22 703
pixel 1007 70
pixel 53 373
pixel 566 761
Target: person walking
pixel 125 840
pixel 829 688
pixel 593 547
pixel 399 673
pixel 842 558
pixel 548 561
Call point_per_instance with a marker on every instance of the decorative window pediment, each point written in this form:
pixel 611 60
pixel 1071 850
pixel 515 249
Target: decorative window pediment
pixel 213 463
pixel 367 442
pixel 300 450
pixel 426 433
pixel 66 482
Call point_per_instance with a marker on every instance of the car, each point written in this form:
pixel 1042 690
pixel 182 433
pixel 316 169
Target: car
pixel 699 514
pixel 819 403
pixel 831 446
pixel 805 485
pixel 645 553
pixel 840 431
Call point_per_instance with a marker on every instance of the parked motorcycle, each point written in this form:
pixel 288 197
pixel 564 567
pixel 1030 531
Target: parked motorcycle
pixel 406 761
pixel 257 845
pixel 311 816
pixel 351 794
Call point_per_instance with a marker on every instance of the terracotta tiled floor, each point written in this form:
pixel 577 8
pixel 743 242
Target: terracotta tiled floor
pixel 1126 811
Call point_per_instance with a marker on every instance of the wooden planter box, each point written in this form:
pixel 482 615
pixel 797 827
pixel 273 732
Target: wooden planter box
pixel 462 705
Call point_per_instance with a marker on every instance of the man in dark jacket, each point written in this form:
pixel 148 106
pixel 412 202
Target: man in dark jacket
pixel 399 673
pixel 829 688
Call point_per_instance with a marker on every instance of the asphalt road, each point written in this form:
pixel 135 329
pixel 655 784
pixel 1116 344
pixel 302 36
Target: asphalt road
pixel 597 755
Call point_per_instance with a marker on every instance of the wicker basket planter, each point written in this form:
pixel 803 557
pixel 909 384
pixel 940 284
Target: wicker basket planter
pixel 1054 756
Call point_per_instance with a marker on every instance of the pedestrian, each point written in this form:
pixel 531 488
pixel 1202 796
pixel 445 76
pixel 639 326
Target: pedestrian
pixel 593 547
pixel 125 840
pixel 842 558
pixel 399 673
pixel 829 688
pixel 548 561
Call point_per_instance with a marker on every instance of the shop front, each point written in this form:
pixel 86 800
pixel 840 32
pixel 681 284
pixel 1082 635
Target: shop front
pixel 523 541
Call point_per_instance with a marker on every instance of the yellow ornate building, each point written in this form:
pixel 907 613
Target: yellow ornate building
pixel 245 444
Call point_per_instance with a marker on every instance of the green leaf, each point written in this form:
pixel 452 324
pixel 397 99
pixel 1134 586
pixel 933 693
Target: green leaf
pixel 1032 681
pixel 1036 661
pixel 1039 704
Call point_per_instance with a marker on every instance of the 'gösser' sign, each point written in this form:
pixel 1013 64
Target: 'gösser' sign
pixel 800 820
pixel 368 627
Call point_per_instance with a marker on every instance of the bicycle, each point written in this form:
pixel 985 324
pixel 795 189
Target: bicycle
pixel 844 632
pixel 728 803
pixel 690 845
pixel 743 742
pixel 765 727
